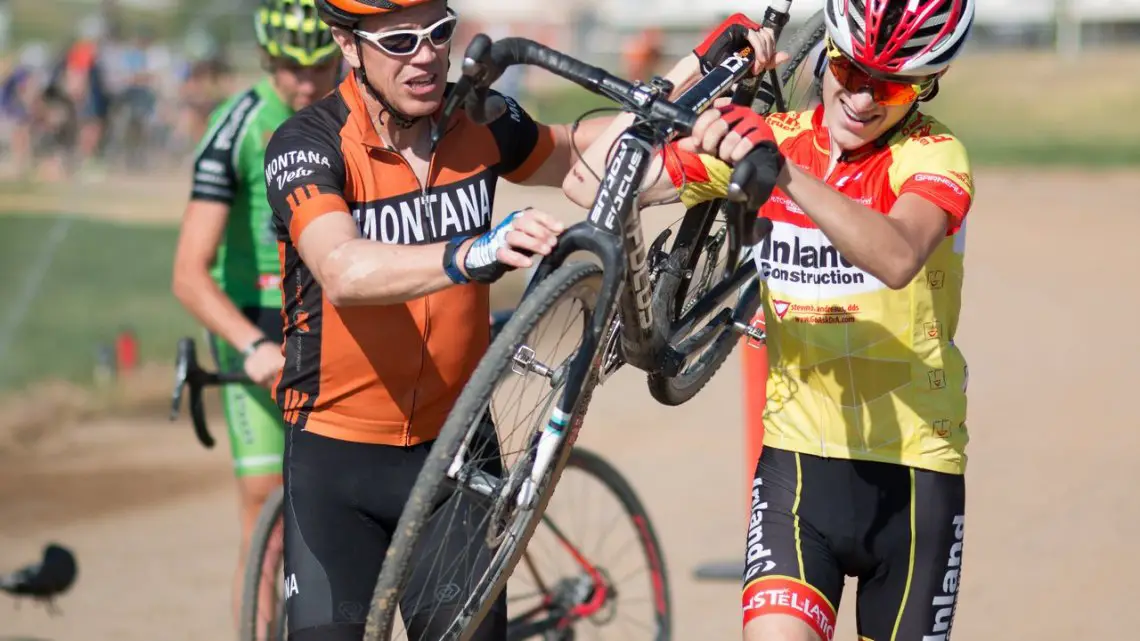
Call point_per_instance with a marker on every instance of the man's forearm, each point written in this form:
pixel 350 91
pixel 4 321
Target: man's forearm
pixel 364 272
pixel 202 297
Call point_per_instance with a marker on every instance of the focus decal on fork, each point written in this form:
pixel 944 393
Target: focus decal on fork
pixel 547 447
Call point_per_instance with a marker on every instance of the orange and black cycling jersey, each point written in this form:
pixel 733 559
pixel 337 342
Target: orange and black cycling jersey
pixel 386 374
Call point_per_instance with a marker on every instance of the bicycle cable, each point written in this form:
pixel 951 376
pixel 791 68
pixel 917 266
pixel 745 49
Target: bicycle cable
pixel 639 120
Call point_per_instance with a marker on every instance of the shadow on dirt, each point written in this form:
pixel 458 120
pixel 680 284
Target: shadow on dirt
pixel 32 499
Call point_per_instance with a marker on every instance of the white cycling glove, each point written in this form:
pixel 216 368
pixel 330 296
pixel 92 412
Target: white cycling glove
pixel 481 263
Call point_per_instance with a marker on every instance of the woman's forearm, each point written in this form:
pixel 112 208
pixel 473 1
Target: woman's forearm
pixel 866 238
pixel 581 184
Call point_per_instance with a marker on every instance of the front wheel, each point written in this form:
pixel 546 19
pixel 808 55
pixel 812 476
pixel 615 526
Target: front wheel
pixel 491 472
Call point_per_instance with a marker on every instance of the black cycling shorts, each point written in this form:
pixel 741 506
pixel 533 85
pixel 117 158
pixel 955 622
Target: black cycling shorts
pixel 342 503
pixel 897 529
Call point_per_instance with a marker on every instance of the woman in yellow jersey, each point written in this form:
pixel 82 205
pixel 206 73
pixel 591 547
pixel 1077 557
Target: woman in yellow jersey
pixel 862 472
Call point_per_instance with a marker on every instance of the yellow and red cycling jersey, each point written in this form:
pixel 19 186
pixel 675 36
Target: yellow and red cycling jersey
pixel 858 370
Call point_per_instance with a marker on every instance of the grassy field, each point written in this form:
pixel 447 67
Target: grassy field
pixel 103 276
pixel 1010 108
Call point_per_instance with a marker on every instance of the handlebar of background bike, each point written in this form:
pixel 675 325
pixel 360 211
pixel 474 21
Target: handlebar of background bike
pixel 188 373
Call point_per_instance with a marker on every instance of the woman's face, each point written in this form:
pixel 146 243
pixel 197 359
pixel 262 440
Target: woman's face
pixel 854 118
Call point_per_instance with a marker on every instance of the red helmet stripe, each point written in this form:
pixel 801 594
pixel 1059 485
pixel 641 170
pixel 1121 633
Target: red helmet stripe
pixel 913 18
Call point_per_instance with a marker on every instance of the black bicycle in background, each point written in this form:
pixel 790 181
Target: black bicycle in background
pixel 570 582
pixel 675 314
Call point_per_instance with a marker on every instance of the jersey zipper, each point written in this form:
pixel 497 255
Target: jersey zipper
pixel 425 187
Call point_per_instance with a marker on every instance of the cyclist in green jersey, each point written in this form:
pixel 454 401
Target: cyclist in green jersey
pixel 226 271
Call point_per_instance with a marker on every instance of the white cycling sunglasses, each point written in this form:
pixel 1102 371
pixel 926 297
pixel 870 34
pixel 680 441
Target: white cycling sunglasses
pixel 405 42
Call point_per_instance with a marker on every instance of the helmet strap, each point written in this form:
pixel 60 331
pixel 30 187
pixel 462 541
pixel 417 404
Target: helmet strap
pixel 885 138
pixel 930 93
pixel 402 120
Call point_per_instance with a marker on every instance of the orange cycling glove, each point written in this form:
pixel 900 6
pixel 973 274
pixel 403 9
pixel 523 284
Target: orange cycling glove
pixel 728 38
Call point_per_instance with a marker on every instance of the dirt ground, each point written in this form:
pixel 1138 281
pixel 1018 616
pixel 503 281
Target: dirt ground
pixel 1050 295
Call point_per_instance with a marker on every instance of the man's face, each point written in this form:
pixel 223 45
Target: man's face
pixel 300 86
pixel 413 84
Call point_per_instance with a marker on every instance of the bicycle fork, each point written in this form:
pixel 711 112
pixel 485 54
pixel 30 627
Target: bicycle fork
pixel 544 447
pixel 571 375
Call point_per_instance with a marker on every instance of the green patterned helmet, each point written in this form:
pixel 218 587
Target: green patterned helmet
pixel 292 30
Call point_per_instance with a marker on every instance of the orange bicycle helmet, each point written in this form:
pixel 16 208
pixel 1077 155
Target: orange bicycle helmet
pixel 346 13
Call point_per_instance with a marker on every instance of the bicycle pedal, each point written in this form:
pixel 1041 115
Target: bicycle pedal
pixel 524 362
pixel 754 333
pixel 523 357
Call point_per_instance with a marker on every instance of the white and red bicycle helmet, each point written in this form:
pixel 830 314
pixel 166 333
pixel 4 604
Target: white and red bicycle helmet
pixel 914 38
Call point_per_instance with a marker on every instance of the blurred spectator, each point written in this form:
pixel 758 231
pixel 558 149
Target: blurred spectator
pixel 205 87
pixel 21 104
pixel 79 81
pixel 134 99
pixel 643 54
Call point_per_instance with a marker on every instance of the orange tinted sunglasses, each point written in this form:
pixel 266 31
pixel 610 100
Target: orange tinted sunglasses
pixel 883 91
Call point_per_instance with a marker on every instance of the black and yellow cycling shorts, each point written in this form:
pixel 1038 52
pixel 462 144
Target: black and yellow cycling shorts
pixel 898 530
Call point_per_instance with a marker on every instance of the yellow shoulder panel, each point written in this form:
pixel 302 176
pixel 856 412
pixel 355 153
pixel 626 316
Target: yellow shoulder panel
pixel 927 146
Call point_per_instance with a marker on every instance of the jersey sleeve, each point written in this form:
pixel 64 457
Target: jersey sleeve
pixel 933 164
pixel 304 177
pixel 697 177
pixel 215 162
pixel 523 143
pixel 701 177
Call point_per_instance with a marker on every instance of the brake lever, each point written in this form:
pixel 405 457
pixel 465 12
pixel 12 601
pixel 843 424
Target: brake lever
pixel 751 185
pixel 476 75
pixel 187 373
pixel 181 374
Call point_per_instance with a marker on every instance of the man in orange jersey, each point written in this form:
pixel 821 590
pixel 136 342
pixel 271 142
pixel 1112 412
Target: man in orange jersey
pixel 387 251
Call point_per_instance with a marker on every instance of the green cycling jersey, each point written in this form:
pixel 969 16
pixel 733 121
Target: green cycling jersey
pixel 229 168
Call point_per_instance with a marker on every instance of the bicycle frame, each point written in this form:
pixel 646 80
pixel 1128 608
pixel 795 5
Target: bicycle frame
pixel 612 230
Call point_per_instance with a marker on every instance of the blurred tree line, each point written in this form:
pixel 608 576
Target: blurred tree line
pixel 197 26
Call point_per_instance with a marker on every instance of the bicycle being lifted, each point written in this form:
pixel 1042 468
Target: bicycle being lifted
pixel 675 314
